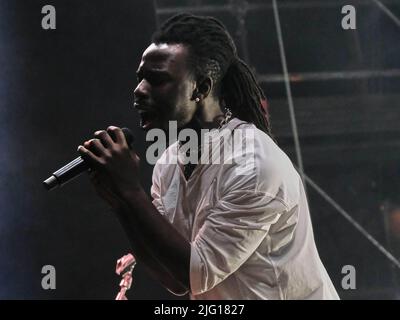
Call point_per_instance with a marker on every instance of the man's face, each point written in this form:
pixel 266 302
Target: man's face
pixel 166 87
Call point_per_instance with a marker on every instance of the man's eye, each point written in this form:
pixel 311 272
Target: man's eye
pixel 156 80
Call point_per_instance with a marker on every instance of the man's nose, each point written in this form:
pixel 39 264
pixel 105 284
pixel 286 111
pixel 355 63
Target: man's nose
pixel 142 90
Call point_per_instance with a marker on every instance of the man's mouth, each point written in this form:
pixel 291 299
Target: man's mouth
pixel 147 119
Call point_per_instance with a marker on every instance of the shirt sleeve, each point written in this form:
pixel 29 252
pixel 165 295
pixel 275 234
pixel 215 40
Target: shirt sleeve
pixel 252 195
pixel 247 206
pixel 234 229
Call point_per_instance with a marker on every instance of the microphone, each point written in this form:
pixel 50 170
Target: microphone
pixel 76 167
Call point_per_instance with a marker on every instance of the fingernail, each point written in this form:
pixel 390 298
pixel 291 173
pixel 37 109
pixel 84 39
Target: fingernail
pixel 78 148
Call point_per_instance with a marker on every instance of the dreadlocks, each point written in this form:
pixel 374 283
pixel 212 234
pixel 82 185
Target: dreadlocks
pixel 214 54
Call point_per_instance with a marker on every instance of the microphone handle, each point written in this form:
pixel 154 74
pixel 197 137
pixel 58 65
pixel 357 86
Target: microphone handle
pixel 67 173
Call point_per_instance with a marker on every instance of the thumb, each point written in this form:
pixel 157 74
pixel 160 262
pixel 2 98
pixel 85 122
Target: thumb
pixel 134 155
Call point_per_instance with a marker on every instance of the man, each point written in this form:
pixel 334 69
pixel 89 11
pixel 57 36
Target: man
pixel 209 231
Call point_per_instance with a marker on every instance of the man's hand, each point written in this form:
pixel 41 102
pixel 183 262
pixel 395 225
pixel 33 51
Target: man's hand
pixel 115 168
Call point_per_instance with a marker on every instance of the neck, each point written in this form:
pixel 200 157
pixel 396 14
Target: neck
pixel 208 116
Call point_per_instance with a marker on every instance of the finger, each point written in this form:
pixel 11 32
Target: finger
pixel 117 135
pixel 88 156
pixel 95 146
pixel 134 155
pixel 105 138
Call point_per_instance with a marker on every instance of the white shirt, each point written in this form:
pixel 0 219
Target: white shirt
pixel 250 229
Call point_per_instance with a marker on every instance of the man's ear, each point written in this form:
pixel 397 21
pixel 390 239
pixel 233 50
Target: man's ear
pixel 203 88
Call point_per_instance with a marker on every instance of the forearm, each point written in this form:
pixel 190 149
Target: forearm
pixel 145 257
pixel 164 251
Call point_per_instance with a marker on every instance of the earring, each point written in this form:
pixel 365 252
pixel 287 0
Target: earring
pixel 197 100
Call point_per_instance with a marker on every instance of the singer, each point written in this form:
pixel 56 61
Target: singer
pixel 207 230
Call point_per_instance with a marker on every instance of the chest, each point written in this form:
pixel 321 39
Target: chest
pixel 186 202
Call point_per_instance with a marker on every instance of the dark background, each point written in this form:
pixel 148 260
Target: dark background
pixel 58 86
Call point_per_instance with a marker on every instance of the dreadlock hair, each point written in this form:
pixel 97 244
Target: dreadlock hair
pixel 213 54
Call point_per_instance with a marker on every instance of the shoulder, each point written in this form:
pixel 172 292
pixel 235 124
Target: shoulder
pixel 259 165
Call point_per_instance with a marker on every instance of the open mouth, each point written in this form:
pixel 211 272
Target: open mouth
pixel 147 119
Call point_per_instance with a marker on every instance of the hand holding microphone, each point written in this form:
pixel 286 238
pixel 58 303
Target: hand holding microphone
pixel 114 164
